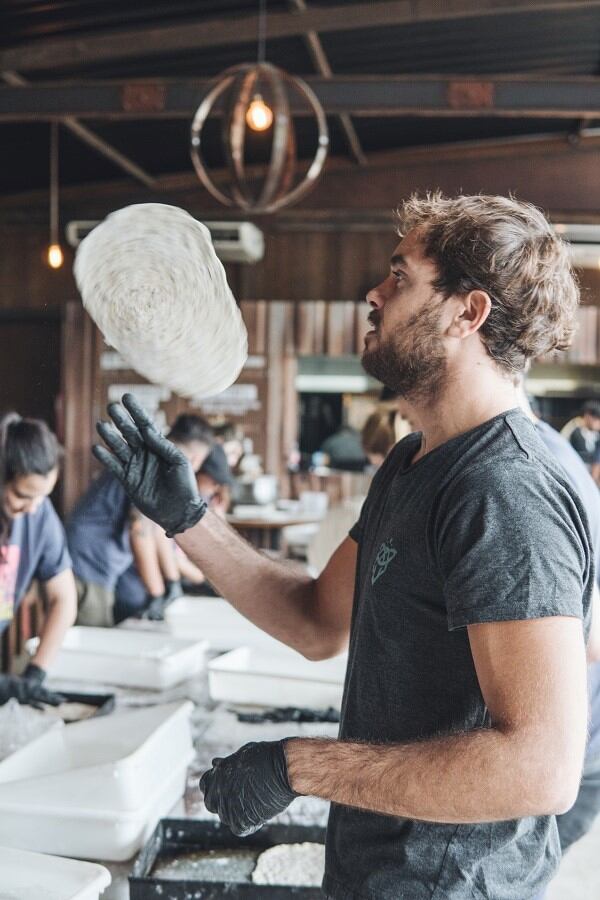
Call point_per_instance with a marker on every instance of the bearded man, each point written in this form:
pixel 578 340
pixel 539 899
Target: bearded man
pixel 463 591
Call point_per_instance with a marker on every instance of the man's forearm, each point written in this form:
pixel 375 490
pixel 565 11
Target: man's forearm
pixel 480 776
pixel 279 598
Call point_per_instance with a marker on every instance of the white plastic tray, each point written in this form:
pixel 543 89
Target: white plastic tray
pixel 97 788
pixel 126 657
pixel 34 876
pixel 48 744
pixel 276 678
pixel 110 835
pixel 110 762
pixel 216 621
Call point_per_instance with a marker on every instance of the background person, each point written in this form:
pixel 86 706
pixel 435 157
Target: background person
pixel 464 589
pixel 122 562
pixel 32 545
pixel 585 435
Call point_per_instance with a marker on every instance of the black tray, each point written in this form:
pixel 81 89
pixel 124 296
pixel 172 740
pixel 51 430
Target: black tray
pixel 186 835
pixel 104 703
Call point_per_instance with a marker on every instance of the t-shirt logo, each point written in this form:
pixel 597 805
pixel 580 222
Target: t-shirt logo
pixel 385 555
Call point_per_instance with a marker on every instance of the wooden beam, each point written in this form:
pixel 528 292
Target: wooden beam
pixel 92 139
pixel 342 197
pixel 80 50
pixel 321 63
pixel 357 95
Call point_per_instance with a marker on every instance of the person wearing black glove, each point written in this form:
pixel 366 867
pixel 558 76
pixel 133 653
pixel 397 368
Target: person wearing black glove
pixel 155 473
pixel 157 605
pixel 249 787
pixel 27 688
pixel 461 592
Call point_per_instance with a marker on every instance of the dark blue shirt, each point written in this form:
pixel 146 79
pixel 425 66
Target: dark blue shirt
pixel 586 487
pixel 98 533
pixel 36 548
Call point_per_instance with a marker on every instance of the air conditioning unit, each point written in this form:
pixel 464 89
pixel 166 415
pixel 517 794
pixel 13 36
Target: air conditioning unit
pixel 584 241
pixel 233 241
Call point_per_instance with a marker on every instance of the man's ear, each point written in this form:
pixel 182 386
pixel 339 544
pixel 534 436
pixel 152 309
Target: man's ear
pixel 471 311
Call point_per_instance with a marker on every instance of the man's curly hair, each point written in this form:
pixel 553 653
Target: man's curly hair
pixel 508 249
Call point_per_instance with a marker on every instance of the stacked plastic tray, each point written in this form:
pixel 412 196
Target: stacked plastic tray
pixel 96 789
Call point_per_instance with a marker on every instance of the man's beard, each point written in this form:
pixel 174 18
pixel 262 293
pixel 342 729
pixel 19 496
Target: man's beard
pixel 411 361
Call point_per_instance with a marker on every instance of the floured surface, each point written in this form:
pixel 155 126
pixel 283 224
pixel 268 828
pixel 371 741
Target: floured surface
pixel 19 725
pixel 151 280
pixel 299 865
pixel 234 866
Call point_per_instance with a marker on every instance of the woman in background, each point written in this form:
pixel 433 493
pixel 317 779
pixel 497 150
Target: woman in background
pixel 32 545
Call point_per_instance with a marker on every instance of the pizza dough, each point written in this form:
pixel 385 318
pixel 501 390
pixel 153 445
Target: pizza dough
pixel 151 280
pixel 301 865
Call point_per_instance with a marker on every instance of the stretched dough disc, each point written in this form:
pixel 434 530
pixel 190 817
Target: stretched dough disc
pixel 151 280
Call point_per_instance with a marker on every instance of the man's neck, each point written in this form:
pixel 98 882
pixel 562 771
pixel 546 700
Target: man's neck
pixel 465 402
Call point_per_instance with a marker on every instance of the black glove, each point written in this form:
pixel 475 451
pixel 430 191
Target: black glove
pixel 173 590
pixel 34 674
pixel 154 472
pixel 249 787
pixel 26 691
pixel 155 609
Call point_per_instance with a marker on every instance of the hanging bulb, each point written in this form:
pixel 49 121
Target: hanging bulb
pixel 259 116
pixel 55 256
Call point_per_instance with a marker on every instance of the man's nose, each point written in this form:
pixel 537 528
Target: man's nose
pixel 375 297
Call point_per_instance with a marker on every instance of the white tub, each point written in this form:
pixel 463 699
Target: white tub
pixel 97 788
pixel 129 658
pixel 276 678
pixel 34 876
pixel 216 621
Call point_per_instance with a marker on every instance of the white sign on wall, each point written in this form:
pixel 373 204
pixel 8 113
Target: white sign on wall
pixel 236 400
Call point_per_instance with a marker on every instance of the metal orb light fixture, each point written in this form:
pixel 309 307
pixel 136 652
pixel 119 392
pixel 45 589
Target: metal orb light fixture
pixel 256 96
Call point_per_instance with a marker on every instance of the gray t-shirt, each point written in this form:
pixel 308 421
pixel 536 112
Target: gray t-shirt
pixel 484 528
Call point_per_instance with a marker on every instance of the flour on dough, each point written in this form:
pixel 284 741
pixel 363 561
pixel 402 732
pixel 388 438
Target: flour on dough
pixel 301 865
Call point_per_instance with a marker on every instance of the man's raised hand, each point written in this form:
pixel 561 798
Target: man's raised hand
pixel 155 474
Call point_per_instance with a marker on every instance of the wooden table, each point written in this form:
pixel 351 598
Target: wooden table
pixel 264 531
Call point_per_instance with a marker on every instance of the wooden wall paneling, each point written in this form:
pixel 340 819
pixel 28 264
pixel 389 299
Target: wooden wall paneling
pixel 26 279
pixel 82 403
pixel 254 314
pixel 335 329
pixel 291 335
pixel 320 332
pixel 290 419
pixel 361 326
pixel 316 280
pixel 275 394
pixel 349 319
pixel 304 313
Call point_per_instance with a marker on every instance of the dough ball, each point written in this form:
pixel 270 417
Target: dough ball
pixel 150 279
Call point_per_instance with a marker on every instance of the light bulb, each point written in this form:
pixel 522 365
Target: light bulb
pixel 259 116
pixel 55 256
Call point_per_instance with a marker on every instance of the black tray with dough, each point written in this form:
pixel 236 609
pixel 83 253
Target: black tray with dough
pixel 173 837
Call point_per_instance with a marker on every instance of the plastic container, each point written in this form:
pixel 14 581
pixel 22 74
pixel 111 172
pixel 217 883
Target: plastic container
pixel 181 836
pixel 126 657
pixel 33 876
pixel 96 788
pixel 216 621
pixel 276 678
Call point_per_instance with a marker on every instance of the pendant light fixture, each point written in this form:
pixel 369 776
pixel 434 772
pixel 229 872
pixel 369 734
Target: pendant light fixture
pixel 255 97
pixel 54 255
